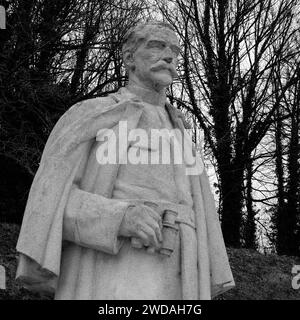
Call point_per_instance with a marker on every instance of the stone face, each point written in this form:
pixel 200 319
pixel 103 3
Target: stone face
pixel 93 234
pixel 155 61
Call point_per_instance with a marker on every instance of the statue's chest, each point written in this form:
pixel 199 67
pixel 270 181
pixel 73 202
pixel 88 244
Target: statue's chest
pixel 154 117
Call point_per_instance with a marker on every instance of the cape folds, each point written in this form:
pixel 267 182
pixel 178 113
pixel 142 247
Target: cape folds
pixel 40 240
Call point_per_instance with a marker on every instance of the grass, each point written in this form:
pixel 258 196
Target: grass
pixel 257 276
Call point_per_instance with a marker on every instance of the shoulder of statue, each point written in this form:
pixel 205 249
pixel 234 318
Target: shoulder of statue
pixel 98 105
pixel 82 110
pixel 92 103
pixel 177 114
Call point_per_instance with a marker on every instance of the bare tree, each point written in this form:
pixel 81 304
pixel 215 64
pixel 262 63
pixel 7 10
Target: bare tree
pixel 231 50
pixel 57 53
pixel 287 217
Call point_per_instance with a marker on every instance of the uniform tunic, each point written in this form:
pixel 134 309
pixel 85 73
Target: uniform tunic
pixel 99 267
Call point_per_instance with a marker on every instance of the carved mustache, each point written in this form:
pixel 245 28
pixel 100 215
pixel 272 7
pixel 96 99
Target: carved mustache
pixel 163 66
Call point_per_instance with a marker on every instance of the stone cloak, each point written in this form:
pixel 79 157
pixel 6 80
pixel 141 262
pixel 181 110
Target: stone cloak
pixel 40 240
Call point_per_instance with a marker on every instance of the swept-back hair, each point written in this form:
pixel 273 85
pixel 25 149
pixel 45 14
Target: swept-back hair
pixel 137 34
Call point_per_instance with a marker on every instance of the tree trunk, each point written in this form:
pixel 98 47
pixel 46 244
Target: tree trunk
pixel 232 203
pixel 250 227
pixel 279 214
pixel 291 246
pixel 288 213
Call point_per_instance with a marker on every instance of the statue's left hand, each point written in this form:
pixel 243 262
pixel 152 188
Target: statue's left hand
pixel 143 223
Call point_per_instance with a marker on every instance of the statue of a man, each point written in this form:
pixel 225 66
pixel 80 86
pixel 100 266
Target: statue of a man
pixel 95 230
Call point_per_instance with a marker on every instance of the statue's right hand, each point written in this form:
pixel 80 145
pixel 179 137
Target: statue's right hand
pixel 144 223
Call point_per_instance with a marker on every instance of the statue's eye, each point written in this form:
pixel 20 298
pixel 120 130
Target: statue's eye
pixel 156 44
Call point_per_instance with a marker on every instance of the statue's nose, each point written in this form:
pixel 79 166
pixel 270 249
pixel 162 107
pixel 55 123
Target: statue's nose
pixel 168 55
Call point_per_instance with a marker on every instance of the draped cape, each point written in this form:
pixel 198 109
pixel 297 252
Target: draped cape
pixel 40 240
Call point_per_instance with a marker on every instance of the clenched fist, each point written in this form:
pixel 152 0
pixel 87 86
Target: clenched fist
pixel 144 223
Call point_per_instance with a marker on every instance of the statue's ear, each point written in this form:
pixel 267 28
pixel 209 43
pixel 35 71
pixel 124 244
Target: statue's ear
pixel 128 60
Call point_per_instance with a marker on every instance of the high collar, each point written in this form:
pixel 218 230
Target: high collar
pixel 125 93
pixel 147 95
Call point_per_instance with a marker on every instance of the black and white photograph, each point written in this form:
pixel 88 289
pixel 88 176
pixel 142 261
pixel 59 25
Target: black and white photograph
pixel 150 151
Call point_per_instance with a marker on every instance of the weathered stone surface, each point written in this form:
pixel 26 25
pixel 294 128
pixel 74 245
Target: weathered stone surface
pixel 83 216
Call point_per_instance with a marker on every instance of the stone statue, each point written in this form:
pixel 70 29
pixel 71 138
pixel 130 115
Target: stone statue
pixel 123 230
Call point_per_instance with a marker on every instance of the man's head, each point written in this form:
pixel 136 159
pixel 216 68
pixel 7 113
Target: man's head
pixel 150 54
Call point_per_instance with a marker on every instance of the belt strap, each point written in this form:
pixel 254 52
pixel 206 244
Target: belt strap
pixel 186 214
